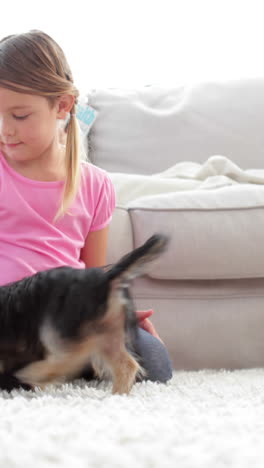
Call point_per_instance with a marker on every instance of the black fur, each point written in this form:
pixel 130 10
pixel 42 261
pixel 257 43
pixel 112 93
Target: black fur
pixel 66 295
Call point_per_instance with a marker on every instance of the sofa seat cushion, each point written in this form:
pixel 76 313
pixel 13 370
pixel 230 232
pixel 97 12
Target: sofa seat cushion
pixel 219 236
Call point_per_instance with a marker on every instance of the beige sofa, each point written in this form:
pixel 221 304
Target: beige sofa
pixel 208 289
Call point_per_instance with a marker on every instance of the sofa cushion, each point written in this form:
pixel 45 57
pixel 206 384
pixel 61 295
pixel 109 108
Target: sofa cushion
pixel 149 129
pixel 212 237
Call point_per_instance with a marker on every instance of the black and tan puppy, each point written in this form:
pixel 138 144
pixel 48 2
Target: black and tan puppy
pixel 55 322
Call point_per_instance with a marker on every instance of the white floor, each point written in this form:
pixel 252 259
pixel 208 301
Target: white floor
pixel 207 419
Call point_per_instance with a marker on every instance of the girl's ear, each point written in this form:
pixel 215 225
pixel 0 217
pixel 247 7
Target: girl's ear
pixel 64 105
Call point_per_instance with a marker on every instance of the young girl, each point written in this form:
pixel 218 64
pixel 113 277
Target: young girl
pixel 55 209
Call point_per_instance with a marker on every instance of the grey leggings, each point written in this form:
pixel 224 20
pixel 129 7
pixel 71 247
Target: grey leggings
pixel 153 355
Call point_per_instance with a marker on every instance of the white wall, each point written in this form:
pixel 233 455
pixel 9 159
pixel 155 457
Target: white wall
pixel 139 42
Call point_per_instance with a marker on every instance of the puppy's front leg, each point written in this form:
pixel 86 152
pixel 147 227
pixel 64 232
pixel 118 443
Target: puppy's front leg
pixel 40 373
pixel 56 367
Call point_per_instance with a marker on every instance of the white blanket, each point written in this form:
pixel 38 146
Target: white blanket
pixel 216 172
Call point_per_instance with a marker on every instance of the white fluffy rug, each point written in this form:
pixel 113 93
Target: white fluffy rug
pixel 207 419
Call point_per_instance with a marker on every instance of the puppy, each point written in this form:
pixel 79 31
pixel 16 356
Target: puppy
pixel 57 321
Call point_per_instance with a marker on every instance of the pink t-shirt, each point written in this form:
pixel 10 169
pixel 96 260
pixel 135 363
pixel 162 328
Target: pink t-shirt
pixel 29 241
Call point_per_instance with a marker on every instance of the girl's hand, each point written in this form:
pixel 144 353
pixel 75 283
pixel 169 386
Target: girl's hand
pixel 146 324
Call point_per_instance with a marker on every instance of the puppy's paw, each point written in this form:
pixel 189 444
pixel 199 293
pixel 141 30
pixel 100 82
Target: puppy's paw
pixel 9 382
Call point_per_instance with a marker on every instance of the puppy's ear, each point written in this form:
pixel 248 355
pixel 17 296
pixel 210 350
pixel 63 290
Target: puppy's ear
pixel 136 262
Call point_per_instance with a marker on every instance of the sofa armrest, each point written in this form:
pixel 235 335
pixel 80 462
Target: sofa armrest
pixel 120 235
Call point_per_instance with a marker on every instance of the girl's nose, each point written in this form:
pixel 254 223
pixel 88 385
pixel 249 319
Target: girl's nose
pixel 6 128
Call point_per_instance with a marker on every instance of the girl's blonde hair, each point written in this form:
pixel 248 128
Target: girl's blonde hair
pixel 33 63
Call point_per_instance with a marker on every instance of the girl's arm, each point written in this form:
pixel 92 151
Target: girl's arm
pixel 94 253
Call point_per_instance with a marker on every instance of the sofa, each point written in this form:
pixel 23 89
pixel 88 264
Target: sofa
pixel 207 290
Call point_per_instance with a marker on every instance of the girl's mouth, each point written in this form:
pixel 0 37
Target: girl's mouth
pixel 13 145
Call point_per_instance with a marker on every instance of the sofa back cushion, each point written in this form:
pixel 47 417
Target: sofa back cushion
pixel 149 129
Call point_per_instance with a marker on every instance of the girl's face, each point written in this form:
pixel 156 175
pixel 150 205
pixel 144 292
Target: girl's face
pixel 28 125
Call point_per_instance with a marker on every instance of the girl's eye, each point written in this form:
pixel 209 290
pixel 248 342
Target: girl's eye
pixel 22 117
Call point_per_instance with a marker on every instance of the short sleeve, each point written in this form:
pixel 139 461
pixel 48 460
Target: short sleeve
pixel 105 205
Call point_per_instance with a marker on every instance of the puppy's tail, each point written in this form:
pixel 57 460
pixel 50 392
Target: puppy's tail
pixel 136 262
